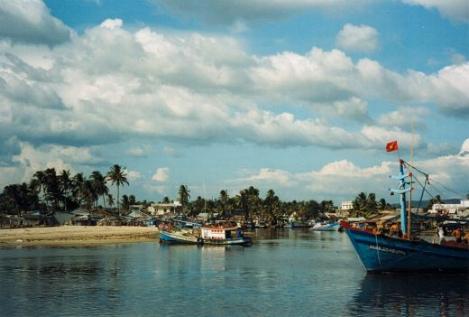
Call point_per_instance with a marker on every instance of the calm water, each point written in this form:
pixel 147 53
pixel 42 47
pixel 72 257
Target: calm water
pixel 285 273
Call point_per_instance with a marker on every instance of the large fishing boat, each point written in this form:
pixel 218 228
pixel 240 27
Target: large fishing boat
pixel 404 250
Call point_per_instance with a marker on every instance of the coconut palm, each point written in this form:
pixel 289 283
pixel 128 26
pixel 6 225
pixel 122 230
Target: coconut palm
pixel 53 193
pixel 118 177
pixel 223 198
pixel 99 184
pixel 110 200
pixel 65 184
pixel 184 195
pixel 89 194
pixel 39 184
pixel 77 187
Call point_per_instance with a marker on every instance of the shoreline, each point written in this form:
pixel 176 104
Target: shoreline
pixel 76 235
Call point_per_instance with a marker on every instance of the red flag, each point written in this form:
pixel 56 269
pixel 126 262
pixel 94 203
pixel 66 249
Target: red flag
pixel 392 146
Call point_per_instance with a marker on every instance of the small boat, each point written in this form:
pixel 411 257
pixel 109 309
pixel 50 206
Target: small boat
pixel 402 249
pixel 214 234
pixel 298 224
pixel 180 237
pixel 224 234
pixel 326 226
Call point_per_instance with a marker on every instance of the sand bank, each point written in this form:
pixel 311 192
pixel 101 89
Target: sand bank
pixel 76 235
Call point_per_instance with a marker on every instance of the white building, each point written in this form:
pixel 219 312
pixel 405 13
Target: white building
pixel 161 209
pixel 346 205
pixel 450 208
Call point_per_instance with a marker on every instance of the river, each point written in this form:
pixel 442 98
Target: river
pixel 284 273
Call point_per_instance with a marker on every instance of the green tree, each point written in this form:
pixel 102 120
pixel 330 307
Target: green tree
pixel 223 201
pixel 78 182
pixel 125 202
pixel 99 185
pixel 271 206
pixel 110 200
pixel 65 184
pixel 184 196
pixel 118 177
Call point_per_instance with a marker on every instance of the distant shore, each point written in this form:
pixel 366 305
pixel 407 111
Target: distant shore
pixel 76 235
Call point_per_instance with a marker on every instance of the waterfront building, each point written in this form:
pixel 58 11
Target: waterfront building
pixel 451 209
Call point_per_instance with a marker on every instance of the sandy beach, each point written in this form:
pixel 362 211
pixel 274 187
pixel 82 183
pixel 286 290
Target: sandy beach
pixel 76 235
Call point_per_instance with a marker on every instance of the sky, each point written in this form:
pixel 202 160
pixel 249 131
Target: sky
pixel 300 96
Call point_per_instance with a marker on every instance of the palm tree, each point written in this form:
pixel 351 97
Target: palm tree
pixel 39 183
pixel 125 202
pixel 223 201
pixel 243 203
pixel 65 184
pixel 53 194
pixel 99 184
pixel 89 193
pixel 271 204
pixel 184 195
pixel 78 182
pixel 110 200
pixel 118 177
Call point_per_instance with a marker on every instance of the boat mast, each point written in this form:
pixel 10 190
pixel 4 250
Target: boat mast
pixel 409 212
pixel 402 192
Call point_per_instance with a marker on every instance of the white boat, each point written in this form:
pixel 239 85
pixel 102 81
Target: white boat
pixel 326 226
pixel 215 234
pixel 180 236
pixel 224 234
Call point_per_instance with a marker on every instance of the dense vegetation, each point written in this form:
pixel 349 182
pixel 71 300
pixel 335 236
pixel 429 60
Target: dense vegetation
pixel 50 191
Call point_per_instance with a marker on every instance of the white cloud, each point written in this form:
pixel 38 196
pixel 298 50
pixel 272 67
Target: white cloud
pixel 161 174
pixel 271 176
pixel 343 179
pixel 29 21
pixel 139 151
pixel 112 24
pixel 194 88
pixel 133 175
pixel 405 117
pixel 359 38
pixel 453 9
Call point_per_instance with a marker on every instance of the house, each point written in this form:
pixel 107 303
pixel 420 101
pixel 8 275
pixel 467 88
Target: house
pixel 450 209
pixel 161 209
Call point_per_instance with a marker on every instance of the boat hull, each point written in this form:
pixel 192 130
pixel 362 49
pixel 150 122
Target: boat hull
pixel 241 241
pixel 379 253
pixel 171 237
pixel 178 238
pixel 328 227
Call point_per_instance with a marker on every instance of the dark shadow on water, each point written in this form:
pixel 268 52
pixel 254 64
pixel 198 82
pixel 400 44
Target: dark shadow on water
pixel 425 294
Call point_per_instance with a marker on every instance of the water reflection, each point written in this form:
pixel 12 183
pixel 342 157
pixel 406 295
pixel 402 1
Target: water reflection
pixel 412 295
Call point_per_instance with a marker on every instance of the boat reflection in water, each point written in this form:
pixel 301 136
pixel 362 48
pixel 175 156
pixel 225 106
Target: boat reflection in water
pixel 411 295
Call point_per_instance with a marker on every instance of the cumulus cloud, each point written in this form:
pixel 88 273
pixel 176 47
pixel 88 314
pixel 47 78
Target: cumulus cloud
pixel 133 176
pixel 195 88
pixel 31 159
pixel 359 38
pixel 161 174
pixel 457 10
pixel 343 179
pixel 29 21
pixel 405 117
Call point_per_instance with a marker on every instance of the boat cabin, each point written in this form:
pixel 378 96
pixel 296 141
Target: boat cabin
pixel 220 232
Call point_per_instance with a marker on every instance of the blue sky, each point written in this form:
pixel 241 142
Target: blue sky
pixel 299 96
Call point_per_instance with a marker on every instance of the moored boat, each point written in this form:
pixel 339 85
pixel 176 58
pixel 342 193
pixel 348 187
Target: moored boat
pixel 180 237
pixel 326 226
pixel 404 250
pixel 213 234
pixel 224 234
